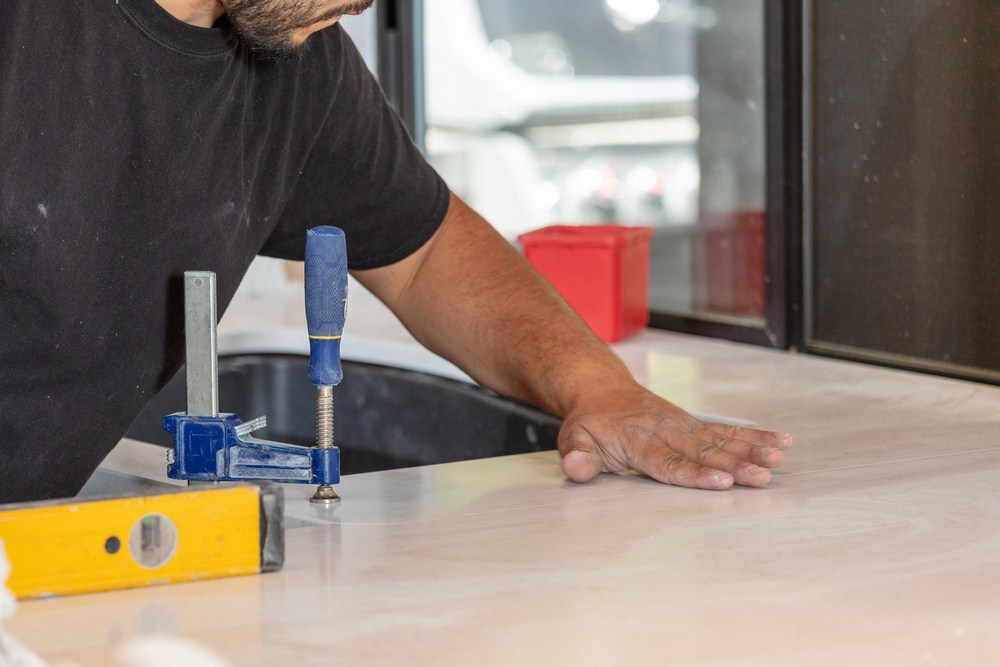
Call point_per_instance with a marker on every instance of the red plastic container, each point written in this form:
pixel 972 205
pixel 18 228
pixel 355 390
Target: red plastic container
pixel 729 260
pixel 601 270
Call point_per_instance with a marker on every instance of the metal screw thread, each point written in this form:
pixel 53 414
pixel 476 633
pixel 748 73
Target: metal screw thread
pixel 324 417
pixel 325 495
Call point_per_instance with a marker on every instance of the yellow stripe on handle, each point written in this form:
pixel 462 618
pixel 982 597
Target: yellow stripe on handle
pixel 326 337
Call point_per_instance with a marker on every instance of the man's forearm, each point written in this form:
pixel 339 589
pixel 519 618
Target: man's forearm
pixel 469 296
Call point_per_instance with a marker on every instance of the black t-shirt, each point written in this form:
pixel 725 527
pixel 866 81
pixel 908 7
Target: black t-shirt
pixel 134 147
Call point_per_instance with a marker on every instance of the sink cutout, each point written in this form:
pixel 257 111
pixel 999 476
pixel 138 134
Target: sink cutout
pixel 385 417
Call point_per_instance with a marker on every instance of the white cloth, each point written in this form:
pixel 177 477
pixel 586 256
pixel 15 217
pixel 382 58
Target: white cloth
pixel 12 653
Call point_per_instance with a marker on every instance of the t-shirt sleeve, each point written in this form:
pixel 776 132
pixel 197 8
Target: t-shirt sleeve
pixel 364 174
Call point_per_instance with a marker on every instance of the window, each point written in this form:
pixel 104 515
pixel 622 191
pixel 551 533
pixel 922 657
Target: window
pixel 633 112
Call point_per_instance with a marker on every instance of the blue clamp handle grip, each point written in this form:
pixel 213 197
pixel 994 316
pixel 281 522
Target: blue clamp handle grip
pixel 326 302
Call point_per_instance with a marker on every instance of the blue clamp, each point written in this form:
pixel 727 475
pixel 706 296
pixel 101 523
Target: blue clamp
pixel 219 449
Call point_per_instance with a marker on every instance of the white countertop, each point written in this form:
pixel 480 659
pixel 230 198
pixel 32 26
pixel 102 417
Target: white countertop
pixel 877 543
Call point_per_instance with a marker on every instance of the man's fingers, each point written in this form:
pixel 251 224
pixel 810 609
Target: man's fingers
pixel 672 468
pixel 581 466
pixel 763 448
pixel 753 436
pixel 704 455
pixel 580 462
pixel 768 457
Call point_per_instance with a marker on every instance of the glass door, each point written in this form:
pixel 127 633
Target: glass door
pixel 628 112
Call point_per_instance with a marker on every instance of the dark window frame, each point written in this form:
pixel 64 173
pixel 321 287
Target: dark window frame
pixel 400 37
pixel 784 314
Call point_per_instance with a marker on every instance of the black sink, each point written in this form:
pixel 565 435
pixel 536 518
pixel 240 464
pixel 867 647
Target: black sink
pixel 384 417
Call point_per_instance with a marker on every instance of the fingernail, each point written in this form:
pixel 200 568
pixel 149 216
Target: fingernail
pixel 720 476
pixel 756 470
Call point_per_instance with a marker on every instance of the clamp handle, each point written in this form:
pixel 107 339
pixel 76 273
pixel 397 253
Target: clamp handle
pixel 326 302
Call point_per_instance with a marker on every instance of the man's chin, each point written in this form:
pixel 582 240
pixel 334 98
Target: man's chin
pixel 272 47
pixel 277 53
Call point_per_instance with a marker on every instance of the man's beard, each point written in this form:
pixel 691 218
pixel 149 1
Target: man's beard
pixel 268 27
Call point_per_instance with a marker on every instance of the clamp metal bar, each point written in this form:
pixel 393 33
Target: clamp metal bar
pixel 200 318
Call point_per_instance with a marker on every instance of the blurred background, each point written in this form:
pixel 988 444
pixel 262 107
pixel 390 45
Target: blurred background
pixel 819 176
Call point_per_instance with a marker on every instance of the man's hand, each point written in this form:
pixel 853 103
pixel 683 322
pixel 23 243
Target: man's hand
pixel 633 429
pixel 470 297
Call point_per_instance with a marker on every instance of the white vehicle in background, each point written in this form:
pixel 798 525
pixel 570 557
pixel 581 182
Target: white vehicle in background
pixel 571 111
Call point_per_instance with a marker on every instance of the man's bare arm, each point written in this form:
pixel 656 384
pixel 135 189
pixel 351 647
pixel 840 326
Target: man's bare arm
pixel 470 297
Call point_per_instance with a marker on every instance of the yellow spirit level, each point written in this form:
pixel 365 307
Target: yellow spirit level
pixel 83 545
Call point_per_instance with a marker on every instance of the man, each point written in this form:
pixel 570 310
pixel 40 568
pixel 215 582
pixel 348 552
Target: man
pixel 142 138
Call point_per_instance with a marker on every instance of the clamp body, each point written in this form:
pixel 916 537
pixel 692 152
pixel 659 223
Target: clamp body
pixel 217 449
